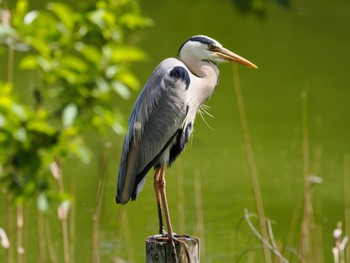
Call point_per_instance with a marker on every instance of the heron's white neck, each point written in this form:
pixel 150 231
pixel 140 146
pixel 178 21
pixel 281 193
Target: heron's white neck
pixel 204 81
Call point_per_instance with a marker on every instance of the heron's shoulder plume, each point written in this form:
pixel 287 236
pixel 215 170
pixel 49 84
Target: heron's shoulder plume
pixel 181 73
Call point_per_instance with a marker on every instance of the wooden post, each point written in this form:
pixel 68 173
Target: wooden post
pixel 159 250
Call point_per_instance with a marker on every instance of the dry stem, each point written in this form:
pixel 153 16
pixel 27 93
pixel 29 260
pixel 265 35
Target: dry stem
pixel 251 162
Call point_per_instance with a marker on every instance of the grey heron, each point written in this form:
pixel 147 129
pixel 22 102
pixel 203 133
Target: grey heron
pixel 161 121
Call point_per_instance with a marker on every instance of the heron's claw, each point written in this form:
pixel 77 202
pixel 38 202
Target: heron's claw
pixel 173 239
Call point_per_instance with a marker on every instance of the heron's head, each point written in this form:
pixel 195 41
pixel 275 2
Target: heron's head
pixel 205 48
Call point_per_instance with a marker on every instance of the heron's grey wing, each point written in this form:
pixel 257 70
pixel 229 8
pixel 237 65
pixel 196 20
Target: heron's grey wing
pixel 156 118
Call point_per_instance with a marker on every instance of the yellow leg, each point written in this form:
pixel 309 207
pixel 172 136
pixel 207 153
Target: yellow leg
pixel 158 197
pixel 162 185
pixel 160 182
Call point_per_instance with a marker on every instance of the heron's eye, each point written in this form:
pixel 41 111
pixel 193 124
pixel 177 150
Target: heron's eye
pixel 211 46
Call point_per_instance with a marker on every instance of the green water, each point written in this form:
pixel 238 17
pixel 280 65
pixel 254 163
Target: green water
pixel 307 45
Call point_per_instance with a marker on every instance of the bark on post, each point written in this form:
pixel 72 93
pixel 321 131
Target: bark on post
pixel 159 250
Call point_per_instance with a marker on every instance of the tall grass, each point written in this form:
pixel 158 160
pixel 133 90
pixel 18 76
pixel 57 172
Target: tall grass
pixel 310 243
pixel 305 227
pixel 20 233
pixel 95 257
pixel 180 198
pixel 251 162
pixel 9 227
pixel 62 211
pixel 9 197
pixel 72 219
pixel 199 213
pixel 346 179
pixel 41 236
pixel 49 241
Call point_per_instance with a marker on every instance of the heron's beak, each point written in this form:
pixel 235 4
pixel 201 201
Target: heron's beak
pixel 230 56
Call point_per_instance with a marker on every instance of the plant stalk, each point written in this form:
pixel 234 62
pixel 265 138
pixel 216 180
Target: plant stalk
pixel 251 162
pixel 305 233
pixel 347 204
pixel 95 258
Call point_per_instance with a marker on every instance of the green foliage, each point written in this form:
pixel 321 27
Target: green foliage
pixel 25 138
pixel 81 60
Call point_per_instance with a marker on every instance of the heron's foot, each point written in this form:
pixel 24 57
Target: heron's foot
pixel 162 236
pixel 165 237
pixel 174 240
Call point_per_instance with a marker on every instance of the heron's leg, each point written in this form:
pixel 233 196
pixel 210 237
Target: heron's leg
pixel 156 189
pixel 164 200
pixel 166 209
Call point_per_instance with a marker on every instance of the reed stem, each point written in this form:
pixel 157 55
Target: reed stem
pixel 63 210
pixel 52 252
pixel 9 199
pixel 124 221
pixel 20 243
pixel 251 162
pixel 9 215
pixel 199 213
pixel 41 236
pixel 95 258
pixel 180 197
pixel 305 240
pixel 64 226
pixel 72 219
pixel 347 204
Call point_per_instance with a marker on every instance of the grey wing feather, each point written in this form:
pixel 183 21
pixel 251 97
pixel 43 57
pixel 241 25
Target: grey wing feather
pixel 158 114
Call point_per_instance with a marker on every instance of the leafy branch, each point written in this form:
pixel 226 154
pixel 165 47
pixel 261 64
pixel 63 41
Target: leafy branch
pixel 80 61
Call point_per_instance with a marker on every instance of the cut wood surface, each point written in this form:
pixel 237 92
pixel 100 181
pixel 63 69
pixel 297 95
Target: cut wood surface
pixel 160 250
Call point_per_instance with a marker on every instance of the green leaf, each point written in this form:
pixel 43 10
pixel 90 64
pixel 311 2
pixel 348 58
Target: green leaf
pixel 5 102
pixel 119 123
pixel 29 62
pixel 127 54
pixel 70 112
pixel 2 121
pixel 129 79
pixel 19 111
pixel 2 174
pixel 43 203
pixel 21 8
pixel 84 154
pixel 33 62
pixel 30 17
pixel 102 86
pixel 96 17
pixel 40 126
pixel 74 63
pixel 133 21
pixel 118 128
pixel 64 14
pixel 90 52
pixel 21 135
pixel 6 88
pixel 112 70
pixel 29 187
pixel 121 89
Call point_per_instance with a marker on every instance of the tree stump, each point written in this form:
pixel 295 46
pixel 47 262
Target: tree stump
pixel 160 250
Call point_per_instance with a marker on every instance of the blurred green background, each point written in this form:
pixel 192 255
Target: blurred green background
pixel 297 45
